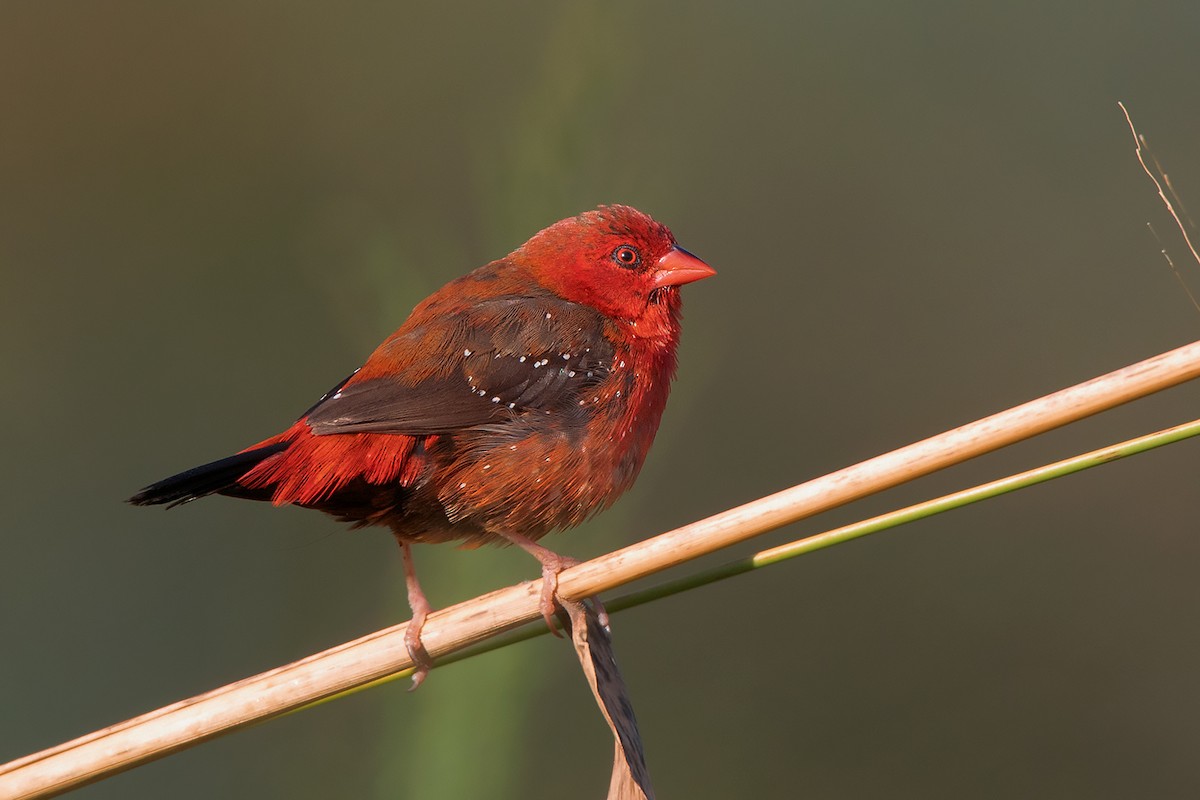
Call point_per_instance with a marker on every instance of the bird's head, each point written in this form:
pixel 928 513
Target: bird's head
pixel 617 260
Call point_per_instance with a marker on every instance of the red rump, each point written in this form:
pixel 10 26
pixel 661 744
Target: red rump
pixel 320 466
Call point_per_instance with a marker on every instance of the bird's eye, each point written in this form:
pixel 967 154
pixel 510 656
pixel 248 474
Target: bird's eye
pixel 627 256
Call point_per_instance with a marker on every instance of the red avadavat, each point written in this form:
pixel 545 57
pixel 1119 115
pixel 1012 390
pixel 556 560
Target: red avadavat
pixel 516 400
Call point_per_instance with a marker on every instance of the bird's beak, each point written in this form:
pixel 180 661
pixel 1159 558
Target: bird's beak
pixel 678 267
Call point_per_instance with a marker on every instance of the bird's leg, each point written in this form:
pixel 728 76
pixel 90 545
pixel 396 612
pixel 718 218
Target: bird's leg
pixel 552 564
pixel 420 610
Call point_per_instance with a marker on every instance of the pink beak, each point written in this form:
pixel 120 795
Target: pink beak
pixel 678 267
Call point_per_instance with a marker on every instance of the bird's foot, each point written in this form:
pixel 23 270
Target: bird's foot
pixel 549 603
pixel 552 564
pixel 416 648
pixel 420 610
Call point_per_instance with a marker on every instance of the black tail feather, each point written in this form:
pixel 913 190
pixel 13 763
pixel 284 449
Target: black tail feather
pixel 205 479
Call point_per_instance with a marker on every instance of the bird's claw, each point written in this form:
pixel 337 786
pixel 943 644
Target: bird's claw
pixel 552 564
pixel 550 600
pixel 416 648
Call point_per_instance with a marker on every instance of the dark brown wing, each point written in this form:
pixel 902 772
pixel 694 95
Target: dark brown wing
pixel 513 357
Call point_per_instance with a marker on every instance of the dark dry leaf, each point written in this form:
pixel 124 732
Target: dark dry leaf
pixel 593 646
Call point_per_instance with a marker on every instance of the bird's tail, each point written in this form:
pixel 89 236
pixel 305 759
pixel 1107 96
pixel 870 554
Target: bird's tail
pixel 218 476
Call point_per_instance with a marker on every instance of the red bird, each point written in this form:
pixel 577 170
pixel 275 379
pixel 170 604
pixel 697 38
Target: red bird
pixel 516 400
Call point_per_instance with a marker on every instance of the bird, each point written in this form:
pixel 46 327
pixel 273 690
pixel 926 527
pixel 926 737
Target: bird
pixel 518 399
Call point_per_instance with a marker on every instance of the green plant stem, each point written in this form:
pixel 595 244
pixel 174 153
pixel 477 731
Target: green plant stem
pixel 846 533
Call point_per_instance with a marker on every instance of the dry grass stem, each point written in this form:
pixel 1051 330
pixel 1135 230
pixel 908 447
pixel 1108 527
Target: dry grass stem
pixel 188 722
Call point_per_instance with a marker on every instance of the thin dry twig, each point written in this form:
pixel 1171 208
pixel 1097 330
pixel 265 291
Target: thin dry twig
pixel 378 655
pixel 1139 143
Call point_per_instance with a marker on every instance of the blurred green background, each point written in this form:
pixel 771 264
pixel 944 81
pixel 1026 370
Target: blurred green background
pixel 921 213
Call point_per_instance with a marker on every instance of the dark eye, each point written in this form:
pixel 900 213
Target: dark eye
pixel 627 256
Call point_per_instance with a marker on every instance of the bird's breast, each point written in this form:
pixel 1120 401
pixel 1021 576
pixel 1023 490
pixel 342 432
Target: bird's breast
pixel 541 472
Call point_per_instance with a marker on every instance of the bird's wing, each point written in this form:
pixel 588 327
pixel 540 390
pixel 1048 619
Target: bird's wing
pixel 501 360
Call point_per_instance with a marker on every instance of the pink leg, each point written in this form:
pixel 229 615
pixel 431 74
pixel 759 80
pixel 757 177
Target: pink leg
pixel 552 564
pixel 420 610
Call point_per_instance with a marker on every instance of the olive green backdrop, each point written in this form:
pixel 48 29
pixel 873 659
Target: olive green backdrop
pixel 921 213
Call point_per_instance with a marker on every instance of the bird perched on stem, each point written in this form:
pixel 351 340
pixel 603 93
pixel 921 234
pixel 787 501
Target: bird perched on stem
pixel 518 399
